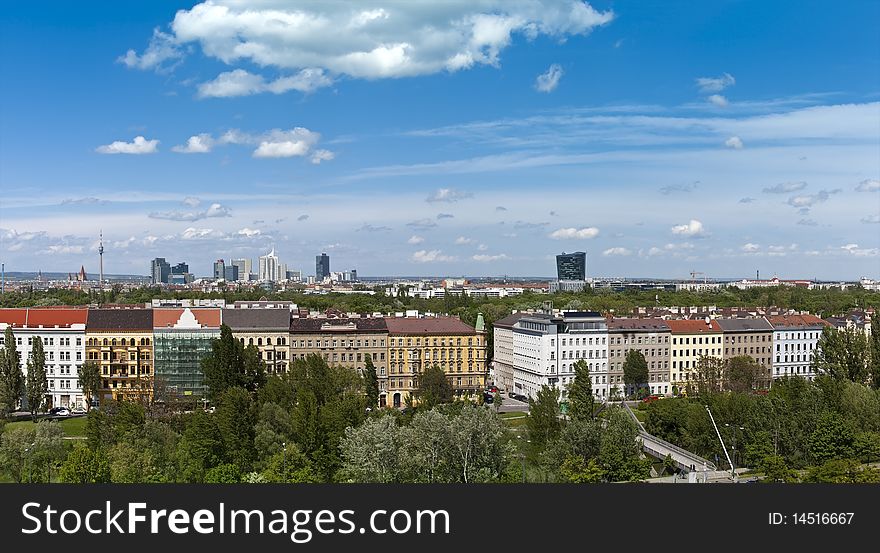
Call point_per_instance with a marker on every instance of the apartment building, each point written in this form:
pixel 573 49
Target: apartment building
pixel 266 329
pixel 62 331
pixel 183 337
pixel 415 343
pixel 691 340
pixel 120 341
pixel 502 366
pixel 795 338
pixel 751 337
pixel 651 337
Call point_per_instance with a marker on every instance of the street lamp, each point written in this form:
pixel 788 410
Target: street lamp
pixel 734 443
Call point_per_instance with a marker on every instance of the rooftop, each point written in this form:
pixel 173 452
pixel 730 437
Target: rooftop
pixel 242 319
pixel 62 317
pixel 428 325
pixel 744 325
pixel 120 319
pixel 205 317
pixel 651 325
pixel 693 326
pixel 797 321
pixel 350 324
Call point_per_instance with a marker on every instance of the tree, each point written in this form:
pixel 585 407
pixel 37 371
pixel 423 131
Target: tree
pixel 741 374
pixel 477 451
pixel 776 470
pixel 580 392
pixel 371 452
pixel 426 448
pixel 842 354
pixel 371 382
pixel 15 446
pixel 200 447
pixel 37 385
pixel 635 370
pixel 543 421
pixel 85 466
pixel 708 374
pixel 620 454
pixel 223 474
pixel 230 364
pixel 832 438
pixel 874 347
pixel 236 420
pixel 89 375
pixel 434 388
pixel 578 471
pixel 11 377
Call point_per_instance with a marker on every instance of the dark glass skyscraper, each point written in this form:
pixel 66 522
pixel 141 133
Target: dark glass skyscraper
pixel 159 270
pixel 571 266
pixel 322 266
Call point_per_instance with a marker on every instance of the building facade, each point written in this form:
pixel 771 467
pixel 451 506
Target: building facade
pixel 183 337
pixel 502 366
pixel 753 338
pixel 322 267
pixel 651 337
pixel 795 339
pixel 159 271
pixel 120 341
pixel 416 343
pixel 571 266
pixel 62 331
pixel 266 329
pixel 691 340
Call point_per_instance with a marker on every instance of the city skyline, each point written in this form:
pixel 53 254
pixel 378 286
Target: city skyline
pixel 658 139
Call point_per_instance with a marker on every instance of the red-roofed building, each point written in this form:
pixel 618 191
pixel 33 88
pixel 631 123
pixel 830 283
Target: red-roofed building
pixel 416 343
pixel 62 331
pixel 692 340
pixel 183 337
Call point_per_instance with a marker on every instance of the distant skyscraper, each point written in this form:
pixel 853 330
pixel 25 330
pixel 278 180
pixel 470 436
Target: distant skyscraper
pixel 180 269
pixel 219 269
pixel 231 273
pixel 322 267
pixel 245 268
pixel 571 266
pixel 159 270
pixel 269 266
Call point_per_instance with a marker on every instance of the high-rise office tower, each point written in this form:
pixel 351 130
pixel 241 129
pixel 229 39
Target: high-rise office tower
pixel 159 270
pixel 571 266
pixel 322 267
pixel 219 269
pixel 269 266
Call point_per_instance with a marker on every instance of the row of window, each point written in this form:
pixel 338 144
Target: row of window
pixel 697 352
pixel 130 342
pixel 687 341
pixel 797 347
pixel 280 341
pixel 48 341
pixel 646 352
pixel 746 339
pixel 339 343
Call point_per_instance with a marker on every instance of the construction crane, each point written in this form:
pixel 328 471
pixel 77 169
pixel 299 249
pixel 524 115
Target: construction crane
pixel 694 276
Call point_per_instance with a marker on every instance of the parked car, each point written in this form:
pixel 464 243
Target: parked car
pixel 650 399
pixel 62 412
pixel 522 397
pixel 511 394
pixel 488 397
pixel 492 389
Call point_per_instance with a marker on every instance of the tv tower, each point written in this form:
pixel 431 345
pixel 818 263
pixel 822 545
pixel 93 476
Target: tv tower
pixel 101 257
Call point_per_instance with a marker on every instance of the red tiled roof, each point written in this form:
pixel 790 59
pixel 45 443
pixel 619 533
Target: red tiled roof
pixel 207 316
pixel 679 326
pixel 61 317
pixel 14 317
pixel 427 325
pixel 797 320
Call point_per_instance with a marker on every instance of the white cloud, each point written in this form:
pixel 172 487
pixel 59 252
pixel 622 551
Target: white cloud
pixel 198 144
pixel 549 80
pixel 415 239
pixel 461 241
pixel 162 48
pixel 448 195
pixel 750 248
pixel 322 155
pixel 425 256
pixel 139 145
pixel 367 227
pixel 871 219
pixel 192 233
pixel 718 100
pixel 422 224
pixel 483 247
pixel 239 82
pixel 715 84
pixel 692 228
pixel 249 232
pixel 734 142
pixel 191 201
pixel 855 250
pixel 483 258
pixel 62 249
pixel 214 210
pixel 571 232
pixel 805 201
pixel 387 39
pixel 785 187
pixel 869 185
pixel 296 142
pixel 617 251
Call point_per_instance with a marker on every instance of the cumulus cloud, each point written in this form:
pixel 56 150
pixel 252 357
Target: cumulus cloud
pixel 617 251
pixel 461 240
pixel 239 82
pixel 785 187
pixel 249 232
pixel 61 249
pixel 198 144
pixel 715 84
pixel 718 100
pixel 549 80
pixel 162 48
pixel 322 155
pixel 139 145
pixel 448 195
pixel 482 247
pixel 415 239
pixel 871 219
pixel 191 201
pixel 296 142
pixel 869 185
pixel 574 233
pixel 692 228
pixel 805 201
pixel 192 233
pixel 734 142
pixel 750 248
pixel 485 258
pixel 855 250
pixel 386 39
pixel 422 224
pixel 426 256
pixel 214 210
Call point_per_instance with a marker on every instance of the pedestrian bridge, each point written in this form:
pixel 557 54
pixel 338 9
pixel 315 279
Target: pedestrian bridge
pixel 659 448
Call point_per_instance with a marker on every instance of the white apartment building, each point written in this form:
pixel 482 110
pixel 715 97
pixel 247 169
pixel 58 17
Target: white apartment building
pixel 62 331
pixel 547 347
pixel 795 338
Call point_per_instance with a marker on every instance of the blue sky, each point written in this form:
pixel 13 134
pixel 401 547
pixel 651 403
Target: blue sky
pixel 476 137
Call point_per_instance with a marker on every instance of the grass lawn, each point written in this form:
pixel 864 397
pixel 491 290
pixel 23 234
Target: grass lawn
pixel 640 415
pixel 73 427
